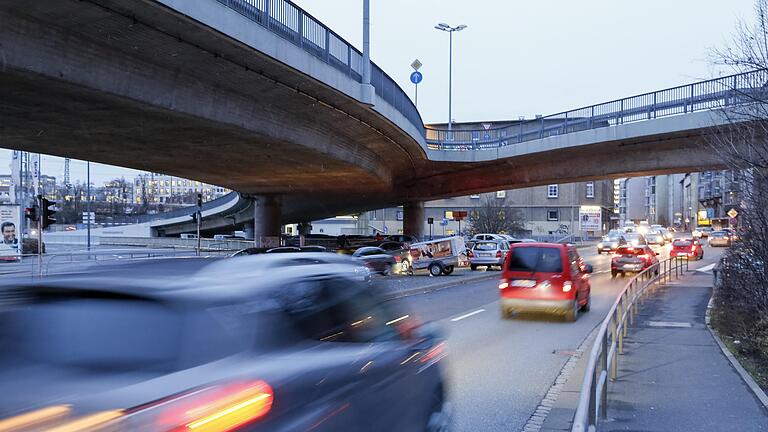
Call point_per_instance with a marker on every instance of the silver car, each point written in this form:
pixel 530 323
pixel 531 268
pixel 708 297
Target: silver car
pixel 719 238
pixel 488 253
pixel 278 343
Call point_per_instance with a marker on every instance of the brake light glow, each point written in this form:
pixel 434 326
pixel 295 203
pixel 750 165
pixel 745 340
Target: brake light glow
pixel 504 284
pixel 228 409
pixel 435 353
pixel 498 254
pixel 398 259
pixel 567 286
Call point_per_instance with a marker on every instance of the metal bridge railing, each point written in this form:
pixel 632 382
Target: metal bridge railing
pixel 602 364
pixel 705 95
pixel 292 23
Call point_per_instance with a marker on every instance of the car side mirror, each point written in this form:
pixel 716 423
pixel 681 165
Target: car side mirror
pixel 588 268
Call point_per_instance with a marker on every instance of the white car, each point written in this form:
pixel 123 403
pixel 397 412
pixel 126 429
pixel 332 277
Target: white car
pixel 481 237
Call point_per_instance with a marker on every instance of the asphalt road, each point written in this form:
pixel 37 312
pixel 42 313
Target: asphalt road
pixel 499 370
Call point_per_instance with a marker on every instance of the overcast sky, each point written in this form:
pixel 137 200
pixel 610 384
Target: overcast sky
pixel 522 58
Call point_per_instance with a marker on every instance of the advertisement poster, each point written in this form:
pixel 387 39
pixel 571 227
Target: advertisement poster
pixel 9 225
pixel 590 218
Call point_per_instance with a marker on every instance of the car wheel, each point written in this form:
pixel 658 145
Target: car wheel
pixel 440 419
pixel 435 269
pixel 473 267
pixel 448 270
pixel 614 273
pixel 573 314
pixel 588 304
pixel 505 314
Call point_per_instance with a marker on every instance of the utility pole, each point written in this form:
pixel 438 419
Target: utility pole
pixel 40 213
pixel 199 219
pixel 88 204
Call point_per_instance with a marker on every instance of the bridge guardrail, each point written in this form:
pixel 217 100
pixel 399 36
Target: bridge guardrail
pixel 602 364
pixel 285 19
pixel 704 95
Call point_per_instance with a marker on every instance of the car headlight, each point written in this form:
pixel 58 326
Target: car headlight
pixel 567 286
pixel 614 245
pixel 599 245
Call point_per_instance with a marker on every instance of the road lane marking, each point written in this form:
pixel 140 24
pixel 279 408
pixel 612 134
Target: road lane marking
pixel 673 324
pixel 467 315
pixel 706 268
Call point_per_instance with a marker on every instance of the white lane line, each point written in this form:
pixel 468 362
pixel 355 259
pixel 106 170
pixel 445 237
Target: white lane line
pixel 467 315
pixel 706 268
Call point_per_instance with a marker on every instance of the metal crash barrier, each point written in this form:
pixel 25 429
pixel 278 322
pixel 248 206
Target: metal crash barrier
pixel 602 365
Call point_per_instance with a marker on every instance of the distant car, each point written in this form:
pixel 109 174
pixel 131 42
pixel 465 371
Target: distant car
pixel 376 259
pixel 635 239
pixel 234 342
pixel 610 242
pixel 544 277
pixel 702 232
pixel 719 238
pixel 488 253
pixel 655 237
pixel 631 259
pixel 687 248
pixel 732 234
pixel 667 234
pixel 70 228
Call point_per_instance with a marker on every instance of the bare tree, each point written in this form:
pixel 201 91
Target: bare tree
pixel 495 216
pixel 741 141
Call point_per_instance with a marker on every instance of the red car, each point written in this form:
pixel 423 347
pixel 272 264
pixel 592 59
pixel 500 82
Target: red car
pixel 687 248
pixel 544 277
pixel 633 259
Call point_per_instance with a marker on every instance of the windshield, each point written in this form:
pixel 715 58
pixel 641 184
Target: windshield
pixel 682 243
pixel 536 260
pixel 486 246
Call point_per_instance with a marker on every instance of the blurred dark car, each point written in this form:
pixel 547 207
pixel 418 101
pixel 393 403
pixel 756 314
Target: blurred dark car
pixel 631 259
pixel 611 242
pixel 635 239
pixel 376 259
pixel 281 249
pixel 263 343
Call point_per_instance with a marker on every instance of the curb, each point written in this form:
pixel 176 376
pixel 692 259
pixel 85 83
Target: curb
pixel 439 286
pixel 745 376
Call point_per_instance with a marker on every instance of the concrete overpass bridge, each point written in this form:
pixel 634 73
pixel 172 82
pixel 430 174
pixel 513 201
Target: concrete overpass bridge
pixel 262 98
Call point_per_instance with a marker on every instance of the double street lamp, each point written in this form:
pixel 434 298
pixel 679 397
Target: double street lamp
pixel 446 28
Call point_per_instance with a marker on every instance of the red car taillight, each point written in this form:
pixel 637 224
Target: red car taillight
pixel 498 254
pixel 470 254
pixel 398 259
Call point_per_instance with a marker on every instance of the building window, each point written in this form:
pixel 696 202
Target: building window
pixel 552 191
pixel 590 189
pixel 501 194
pixel 553 215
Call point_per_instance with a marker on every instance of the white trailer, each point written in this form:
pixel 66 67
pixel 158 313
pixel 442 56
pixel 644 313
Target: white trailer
pixel 439 256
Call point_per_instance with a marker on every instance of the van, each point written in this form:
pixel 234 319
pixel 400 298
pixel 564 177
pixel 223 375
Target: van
pixel 544 277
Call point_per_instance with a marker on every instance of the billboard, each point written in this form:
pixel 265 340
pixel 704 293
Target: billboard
pixel 9 226
pixel 590 218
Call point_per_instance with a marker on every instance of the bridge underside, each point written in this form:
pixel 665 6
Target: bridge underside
pixel 132 83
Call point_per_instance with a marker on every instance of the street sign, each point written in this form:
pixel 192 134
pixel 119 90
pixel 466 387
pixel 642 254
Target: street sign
pixel 430 221
pixel 733 213
pixel 416 77
pixel 444 222
pixel 416 65
pixel 459 215
pixel 487 126
pixel 710 212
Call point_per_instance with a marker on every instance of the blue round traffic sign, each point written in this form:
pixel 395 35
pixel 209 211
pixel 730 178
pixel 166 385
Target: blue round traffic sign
pixel 416 77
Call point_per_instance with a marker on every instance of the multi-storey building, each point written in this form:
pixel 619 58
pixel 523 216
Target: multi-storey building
pixel 152 188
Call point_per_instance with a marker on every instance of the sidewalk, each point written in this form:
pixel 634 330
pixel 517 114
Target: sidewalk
pixel 673 375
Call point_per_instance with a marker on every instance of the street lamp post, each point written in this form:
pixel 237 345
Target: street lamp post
pixel 446 28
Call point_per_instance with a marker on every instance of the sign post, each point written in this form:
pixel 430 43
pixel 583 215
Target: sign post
pixel 459 216
pixel 416 78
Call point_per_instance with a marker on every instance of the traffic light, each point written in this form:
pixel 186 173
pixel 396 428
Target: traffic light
pixel 31 213
pixel 199 200
pixel 47 211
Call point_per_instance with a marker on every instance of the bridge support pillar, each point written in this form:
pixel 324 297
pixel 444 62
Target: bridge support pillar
pixel 413 219
pixel 266 220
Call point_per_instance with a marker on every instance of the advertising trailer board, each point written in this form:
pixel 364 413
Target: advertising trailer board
pixel 590 218
pixel 9 225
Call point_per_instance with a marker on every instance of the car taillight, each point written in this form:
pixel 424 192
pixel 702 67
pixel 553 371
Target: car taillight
pixel 693 248
pixel 225 407
pixel 567 286
pixel 498 254
pixel 470 254
pixel 503 284
pixel 398 259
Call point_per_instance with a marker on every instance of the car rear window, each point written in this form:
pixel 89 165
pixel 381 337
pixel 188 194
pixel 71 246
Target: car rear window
pixel 486 246
pixel 681 243
pixel 536 259
pixel 718 234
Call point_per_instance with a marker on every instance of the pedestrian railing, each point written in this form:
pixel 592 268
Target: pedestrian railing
pixel 290 22
pixel 602 364
pixel 738 89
